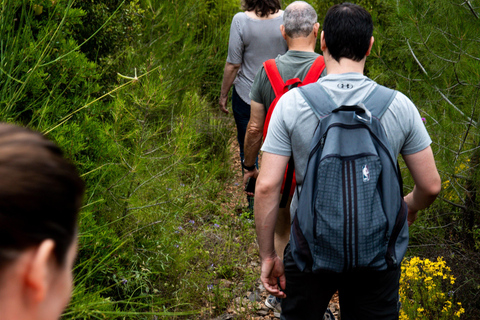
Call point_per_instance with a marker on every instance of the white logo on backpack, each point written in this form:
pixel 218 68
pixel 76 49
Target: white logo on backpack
pixel 366 173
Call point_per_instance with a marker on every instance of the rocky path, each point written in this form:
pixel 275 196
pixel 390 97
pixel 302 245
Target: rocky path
pixel 251 305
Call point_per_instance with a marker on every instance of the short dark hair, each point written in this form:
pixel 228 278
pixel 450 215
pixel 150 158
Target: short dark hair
pixel 40 194
pixel 262 8
pixel 347 29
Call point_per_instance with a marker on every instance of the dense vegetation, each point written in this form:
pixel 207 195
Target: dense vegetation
pixel 128 89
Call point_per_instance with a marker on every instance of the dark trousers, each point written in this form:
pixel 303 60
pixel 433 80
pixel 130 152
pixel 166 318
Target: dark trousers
pixel 241 113
pixel 365 295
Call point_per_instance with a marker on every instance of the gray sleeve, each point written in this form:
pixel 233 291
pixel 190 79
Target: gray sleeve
pixel 256 90
pixel 404 126
pixel 235 41
pixel 278 136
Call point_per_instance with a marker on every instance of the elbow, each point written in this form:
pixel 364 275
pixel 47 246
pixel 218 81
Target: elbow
pixel 254 131
pixel 232 67
pixel 438 188
pixel 433 188
pixel 263 189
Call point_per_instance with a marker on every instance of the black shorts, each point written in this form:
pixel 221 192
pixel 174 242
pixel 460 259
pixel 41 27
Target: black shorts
pixel 365 295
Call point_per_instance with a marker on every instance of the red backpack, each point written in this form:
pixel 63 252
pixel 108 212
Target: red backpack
pixel 280 87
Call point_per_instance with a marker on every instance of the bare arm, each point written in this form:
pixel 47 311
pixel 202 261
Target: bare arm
pixel 229 74
pixel 267 192
pixel 253 138
pixel 427 181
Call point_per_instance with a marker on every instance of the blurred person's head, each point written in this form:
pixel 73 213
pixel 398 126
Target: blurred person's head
pixel 262 8
pixel 348 32
pixel 40 196
pixel 299 20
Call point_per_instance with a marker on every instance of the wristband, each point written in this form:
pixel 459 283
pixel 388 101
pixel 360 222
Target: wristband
pixel 250 168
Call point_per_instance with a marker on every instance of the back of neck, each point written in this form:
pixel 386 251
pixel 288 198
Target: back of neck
pixel 345 65
pixel 302 44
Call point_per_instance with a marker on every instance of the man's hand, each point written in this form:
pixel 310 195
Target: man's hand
pixel 222 102
pixel 272 273
pixel 246 176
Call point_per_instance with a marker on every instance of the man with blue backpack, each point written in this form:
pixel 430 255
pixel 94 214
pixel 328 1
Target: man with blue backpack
pixel 349 216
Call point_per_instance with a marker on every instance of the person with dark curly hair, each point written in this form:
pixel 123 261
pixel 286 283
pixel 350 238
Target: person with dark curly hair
pixel 40 196
pixel 254 38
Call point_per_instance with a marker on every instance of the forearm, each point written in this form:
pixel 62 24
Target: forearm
pixel 266 212
pixel 420 199
pixel 253 142
pixel 427 180
pixel 229 74
pixel 254 135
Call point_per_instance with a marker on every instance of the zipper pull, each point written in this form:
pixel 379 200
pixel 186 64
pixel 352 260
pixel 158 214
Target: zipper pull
pixel 322 140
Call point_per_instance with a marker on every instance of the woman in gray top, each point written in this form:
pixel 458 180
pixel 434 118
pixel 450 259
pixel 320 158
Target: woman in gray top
pixel 254 38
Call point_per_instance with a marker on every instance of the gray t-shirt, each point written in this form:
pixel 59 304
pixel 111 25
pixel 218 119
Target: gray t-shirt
pixel 293 122
pixel 252 42
pixel 293 64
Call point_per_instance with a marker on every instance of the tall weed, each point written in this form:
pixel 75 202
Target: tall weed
pixel 149 146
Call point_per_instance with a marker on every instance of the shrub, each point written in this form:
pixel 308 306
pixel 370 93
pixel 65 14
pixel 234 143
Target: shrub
pixel 426 290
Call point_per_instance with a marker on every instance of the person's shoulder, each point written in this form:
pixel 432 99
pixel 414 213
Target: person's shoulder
pixel 239 17
pixel 403 109
pixel 402 97
pixel 293 99
pixel 239 20
pixel 401 101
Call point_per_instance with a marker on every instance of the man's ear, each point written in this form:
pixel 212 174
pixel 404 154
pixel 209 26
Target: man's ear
pixel 38 274
pixel 323 44
pixel 316 26
pixel 282 30
pixel 370 46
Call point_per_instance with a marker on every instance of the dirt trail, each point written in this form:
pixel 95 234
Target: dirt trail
pixel 250 305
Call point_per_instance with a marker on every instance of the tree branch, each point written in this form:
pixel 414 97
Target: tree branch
pixel 415 57
pixel 471 9
pixel 454 106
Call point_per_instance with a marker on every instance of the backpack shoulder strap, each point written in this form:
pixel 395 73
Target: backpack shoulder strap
pixel 318 99
pixel 274 76
pixel 379 100
pixel 315 71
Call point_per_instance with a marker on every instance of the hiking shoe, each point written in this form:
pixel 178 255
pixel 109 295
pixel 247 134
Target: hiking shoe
pixel 328 315
pixel 274 303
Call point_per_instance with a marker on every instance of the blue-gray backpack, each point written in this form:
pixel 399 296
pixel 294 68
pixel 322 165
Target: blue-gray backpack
pixel 351 214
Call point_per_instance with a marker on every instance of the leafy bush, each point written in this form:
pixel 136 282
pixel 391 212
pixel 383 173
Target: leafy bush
pixel 429 53
pixel 426 290
pixel 43 75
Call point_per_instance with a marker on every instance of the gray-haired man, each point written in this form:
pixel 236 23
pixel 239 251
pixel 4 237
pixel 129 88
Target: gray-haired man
pixel 300 29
